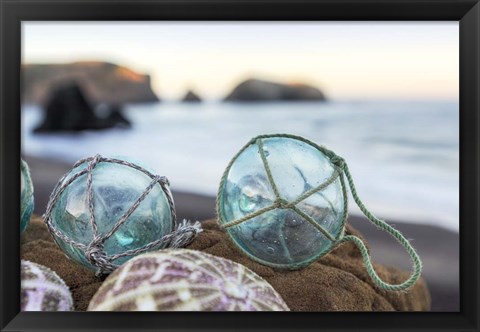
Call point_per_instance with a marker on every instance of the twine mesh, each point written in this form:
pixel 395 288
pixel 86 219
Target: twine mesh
pixel 184 232
pixel 340 172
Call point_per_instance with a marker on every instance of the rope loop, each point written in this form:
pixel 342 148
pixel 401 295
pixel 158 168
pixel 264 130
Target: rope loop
pixel 417 263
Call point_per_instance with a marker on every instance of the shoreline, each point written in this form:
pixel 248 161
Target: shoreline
pixel 435 245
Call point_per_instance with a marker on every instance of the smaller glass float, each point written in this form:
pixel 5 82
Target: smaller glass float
pixel 108 210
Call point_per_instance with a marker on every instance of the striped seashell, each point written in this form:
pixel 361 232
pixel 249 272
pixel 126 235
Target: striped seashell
pixel 42 289
pixel 185 280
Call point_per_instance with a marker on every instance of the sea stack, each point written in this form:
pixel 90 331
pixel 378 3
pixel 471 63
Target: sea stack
pixel 69 109
pixel 255 90
pixel 191 97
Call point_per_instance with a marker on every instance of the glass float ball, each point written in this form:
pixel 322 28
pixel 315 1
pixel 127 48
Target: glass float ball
pixel 26 196
pixel 281 236
pixel 115 189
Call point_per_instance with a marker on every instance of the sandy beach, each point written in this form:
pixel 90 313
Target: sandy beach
pixel 436 246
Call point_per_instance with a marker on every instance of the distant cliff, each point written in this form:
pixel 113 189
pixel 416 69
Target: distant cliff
pixel 260 90
pixel 102 82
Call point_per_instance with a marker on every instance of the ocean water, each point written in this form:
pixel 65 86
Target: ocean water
pixel 404 156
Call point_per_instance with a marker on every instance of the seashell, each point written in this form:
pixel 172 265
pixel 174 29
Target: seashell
pixel 42 289
pixel 185 280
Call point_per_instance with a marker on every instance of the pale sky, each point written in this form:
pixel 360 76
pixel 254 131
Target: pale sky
pixel 348 60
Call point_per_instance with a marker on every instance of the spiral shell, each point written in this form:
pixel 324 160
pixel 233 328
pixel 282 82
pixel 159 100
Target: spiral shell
pixel 185 280
pixel 42 289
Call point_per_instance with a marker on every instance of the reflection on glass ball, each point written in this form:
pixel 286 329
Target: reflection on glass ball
pixel 281 237
pixel 26 196
pixel 115 189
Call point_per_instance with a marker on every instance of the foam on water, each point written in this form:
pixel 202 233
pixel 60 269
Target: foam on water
pixel 404 156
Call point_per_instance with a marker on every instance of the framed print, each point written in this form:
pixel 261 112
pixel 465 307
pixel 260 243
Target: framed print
pixel 185 163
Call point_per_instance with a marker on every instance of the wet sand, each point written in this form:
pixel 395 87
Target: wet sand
pixel 438 247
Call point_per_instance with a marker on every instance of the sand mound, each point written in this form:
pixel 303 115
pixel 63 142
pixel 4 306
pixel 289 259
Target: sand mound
pixel 337 282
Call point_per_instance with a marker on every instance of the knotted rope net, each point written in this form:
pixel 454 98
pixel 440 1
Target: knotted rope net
pixel 184 232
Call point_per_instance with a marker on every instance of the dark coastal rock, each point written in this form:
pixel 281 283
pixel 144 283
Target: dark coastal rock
pixel 116 117
pixel 103 82
pixel 191 97
pixel 259 90
pixel 69 110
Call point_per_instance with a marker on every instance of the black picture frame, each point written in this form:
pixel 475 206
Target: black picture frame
pixel 13 12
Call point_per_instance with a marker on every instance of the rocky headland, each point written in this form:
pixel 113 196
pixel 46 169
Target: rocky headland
pixel 102 82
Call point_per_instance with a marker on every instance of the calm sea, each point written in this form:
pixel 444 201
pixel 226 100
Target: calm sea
pixel 404 156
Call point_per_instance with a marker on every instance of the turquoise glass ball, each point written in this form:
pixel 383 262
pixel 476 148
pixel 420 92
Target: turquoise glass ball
pixel 282 236
pixel 115 188
pixel 26 196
